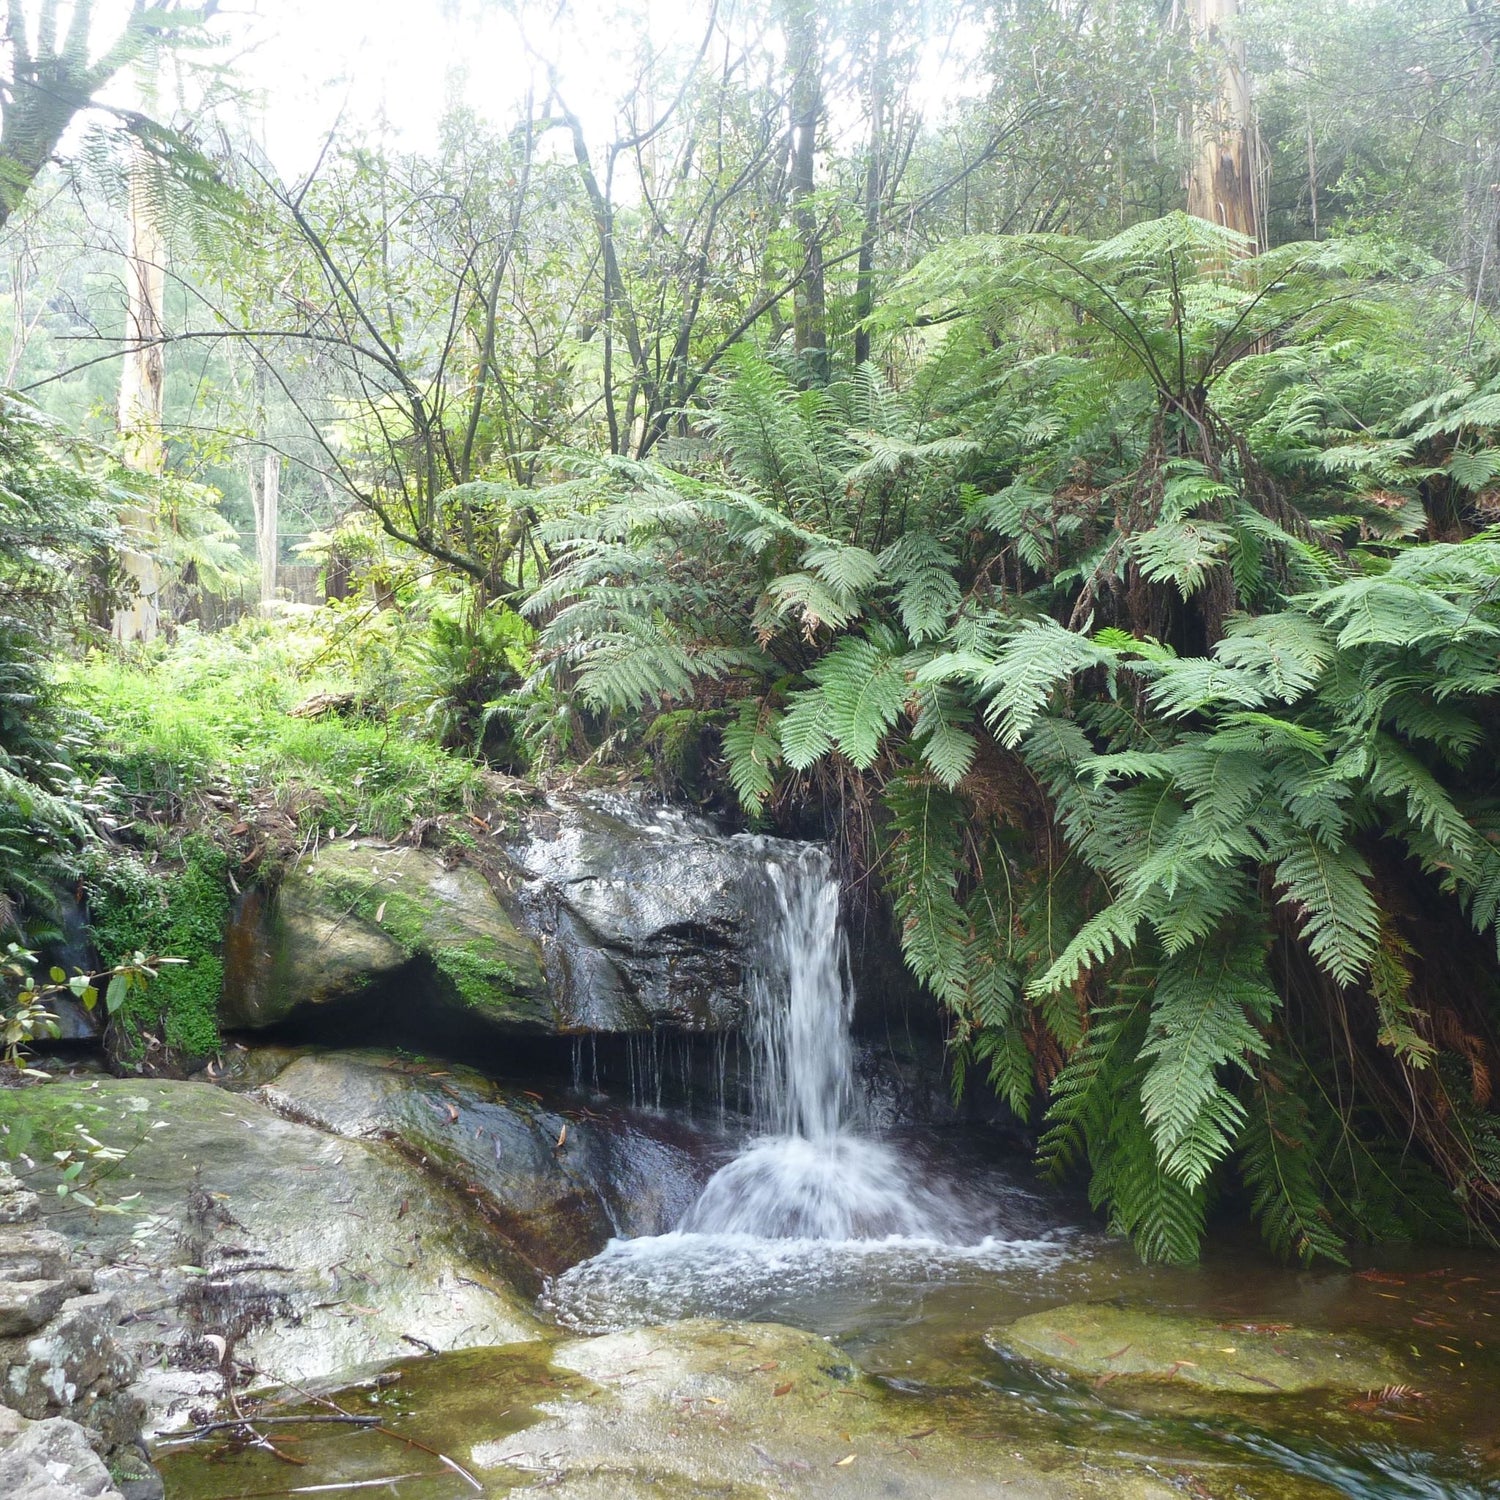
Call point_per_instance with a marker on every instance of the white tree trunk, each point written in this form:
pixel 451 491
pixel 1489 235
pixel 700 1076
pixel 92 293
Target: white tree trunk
pixel 140 415
pixel 1223 166
pixel 267 526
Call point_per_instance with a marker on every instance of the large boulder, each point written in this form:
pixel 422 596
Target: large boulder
pixel 258 1247
pixel 557 1181
pixel 596 915
pixel 359 916
pixel 645 913
pixel 1131 1345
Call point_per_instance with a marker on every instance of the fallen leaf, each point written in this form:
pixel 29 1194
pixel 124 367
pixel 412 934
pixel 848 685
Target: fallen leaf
pixel 840 1463
pixel 562 1138
pixel 921 1432
pixel 380 913
pixel 782 1389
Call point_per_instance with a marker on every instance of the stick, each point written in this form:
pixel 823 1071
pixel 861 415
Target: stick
pixel 212 1427
pixel 323 1489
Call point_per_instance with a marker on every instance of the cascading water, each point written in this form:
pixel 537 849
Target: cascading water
pixel 808 1174
pixel 812 1206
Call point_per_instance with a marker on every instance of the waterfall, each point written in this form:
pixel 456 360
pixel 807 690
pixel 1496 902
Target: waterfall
pixel 800 1002
pixel 808 1173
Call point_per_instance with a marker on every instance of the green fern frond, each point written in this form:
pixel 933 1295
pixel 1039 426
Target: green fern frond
pixel 1209 1009
pixel 864 688
pixel 752 749
pixel 1328 891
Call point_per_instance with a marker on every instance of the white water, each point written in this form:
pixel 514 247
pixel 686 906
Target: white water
pixel 811 1205
pixel 809 1174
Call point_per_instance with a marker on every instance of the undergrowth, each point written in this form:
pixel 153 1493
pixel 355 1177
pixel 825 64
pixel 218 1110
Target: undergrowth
pixel 218 710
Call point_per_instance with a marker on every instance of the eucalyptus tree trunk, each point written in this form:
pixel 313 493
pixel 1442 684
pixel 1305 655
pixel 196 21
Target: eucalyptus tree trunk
pixel 142 381
pixel 265 500
pixel 810 302
pixel 864 298
pixel 1223 158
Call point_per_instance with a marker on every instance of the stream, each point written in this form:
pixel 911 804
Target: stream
pixel 902 1247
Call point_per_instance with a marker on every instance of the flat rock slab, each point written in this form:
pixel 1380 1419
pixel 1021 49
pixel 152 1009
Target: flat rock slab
pixel 28 1254
pixel 314 1255
pixel 1101 1341
pixel 18 1204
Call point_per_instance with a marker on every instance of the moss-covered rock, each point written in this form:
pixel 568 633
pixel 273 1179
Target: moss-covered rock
pixel 1104 1341
pixel 359 914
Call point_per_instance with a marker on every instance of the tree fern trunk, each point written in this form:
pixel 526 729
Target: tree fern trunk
pixel 142 383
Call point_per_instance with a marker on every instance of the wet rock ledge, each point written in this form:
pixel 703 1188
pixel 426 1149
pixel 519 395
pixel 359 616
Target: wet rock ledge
pixel 70 1428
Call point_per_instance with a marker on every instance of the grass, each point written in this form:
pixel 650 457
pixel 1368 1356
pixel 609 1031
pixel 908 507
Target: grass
pixel 210 709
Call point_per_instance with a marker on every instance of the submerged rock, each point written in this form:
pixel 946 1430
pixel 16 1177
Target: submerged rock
pixel 259 1247
pixel 1103 1341
pixel 558 1183
pixel 362 913
pixel 698 1408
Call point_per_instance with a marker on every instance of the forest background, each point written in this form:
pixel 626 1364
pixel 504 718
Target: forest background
pixel 1049 447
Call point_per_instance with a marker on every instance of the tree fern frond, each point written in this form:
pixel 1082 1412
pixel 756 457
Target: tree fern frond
pixel 920 569
pixel 752 750
pixel 1328 890
pixel 864 688
pixel 1208 1010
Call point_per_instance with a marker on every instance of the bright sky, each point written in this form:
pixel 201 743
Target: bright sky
pixel 404 58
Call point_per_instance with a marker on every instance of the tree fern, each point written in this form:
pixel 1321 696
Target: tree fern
pixel 1208 1010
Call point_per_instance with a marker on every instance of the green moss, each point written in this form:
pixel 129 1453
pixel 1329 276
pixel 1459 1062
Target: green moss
pixel 481 979
pixel 135 908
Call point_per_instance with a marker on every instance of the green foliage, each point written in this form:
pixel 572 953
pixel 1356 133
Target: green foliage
pixel 1176 735
pixel 134 908
pixel 220 707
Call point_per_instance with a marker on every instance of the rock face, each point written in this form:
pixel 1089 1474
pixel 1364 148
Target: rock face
pixel 358 915
pixel 268 1251
pixel 1094 1340
pixel 557 1185
pixel 643 912
pixel 601 915
pixel 64 1376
